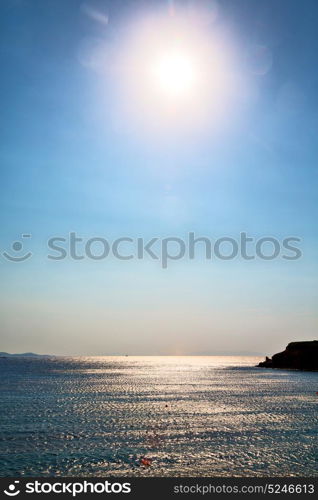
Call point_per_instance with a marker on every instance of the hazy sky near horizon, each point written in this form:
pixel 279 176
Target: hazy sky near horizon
pixel 85 149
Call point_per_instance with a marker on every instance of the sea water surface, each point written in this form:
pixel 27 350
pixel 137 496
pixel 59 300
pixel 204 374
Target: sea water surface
pixel 190 416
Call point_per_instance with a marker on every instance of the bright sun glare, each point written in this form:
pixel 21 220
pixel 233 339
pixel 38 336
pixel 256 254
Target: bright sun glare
pixel 175 74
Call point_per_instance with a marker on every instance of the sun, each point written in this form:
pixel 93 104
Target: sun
pixel 175 74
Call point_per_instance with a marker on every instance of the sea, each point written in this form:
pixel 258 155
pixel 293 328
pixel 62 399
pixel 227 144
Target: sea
pixel 156 416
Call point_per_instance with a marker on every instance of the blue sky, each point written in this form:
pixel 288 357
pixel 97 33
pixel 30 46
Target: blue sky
pixel 74 159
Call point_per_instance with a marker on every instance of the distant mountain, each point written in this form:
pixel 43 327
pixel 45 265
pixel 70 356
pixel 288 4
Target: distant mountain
pixel 23 355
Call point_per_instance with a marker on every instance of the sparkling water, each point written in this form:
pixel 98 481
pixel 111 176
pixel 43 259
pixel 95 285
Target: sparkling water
pixel 156 416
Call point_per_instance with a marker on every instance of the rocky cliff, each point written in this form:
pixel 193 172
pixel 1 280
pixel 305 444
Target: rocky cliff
pixel 297 355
